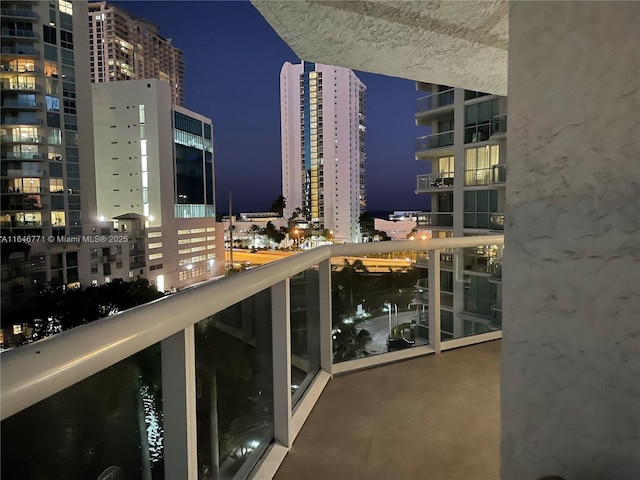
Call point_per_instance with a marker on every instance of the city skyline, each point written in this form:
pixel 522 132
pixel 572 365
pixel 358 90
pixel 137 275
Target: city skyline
pixel 232 64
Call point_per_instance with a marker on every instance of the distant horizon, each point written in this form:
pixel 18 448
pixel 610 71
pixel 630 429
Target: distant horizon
pixel 232 75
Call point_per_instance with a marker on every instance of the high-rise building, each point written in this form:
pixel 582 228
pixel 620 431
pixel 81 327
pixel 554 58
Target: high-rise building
pixel 322 111
pixel 467 153
pixel 46 143
pixel 155 181
pixel 126 48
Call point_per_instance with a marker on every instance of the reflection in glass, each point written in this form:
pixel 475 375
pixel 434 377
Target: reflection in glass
pixel 234 388
pixel 305 331
pixel 110 421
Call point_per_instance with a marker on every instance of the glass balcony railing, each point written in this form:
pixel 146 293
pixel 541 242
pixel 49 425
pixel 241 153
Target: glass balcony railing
pixel 438 140
pixel 438 100
pixel 18 13
pixel 434 181
pixel 20 104
pixel 19 33
pixel 436 219
pixel 214 381
pixel 32 52
pixel 21 86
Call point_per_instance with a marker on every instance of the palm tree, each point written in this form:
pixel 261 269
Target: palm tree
pixel 350 343
pixel 278 205
pixel 349 275
pixel 255 230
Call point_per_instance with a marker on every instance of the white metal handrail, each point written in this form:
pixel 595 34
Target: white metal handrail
pixel 34 372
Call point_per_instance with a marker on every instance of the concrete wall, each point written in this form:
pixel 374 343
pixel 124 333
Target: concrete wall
pixel 571 273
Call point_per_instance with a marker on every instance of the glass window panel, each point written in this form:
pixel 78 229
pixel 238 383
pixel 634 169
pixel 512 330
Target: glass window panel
pixel 112 419
pixel 235 387
pixel 470 115
pixel 305 331
pixel 374 314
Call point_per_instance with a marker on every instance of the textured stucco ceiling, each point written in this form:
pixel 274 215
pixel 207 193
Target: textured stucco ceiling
pixel 457 43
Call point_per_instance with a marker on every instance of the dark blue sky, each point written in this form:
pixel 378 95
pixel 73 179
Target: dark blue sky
pixel 232 72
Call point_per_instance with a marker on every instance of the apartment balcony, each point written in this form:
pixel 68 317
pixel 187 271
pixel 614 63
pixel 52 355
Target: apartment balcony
pixel 22 139
pixel 431 146
pixel 21 14
pixel 20 51
pixel 435 220
pixel 21 120
pixel 21 34
pixel 20 173
pixel 434 107
pixel 224 377
pixel 498 175
pixel 25 190
pixel 21 87
pixel 22 156
pixel 422 295
pixel 20 69
pixel 21 104
pixel 434 182
pixel 499 127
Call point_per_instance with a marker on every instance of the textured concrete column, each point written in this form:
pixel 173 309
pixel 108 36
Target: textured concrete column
pixel 571 277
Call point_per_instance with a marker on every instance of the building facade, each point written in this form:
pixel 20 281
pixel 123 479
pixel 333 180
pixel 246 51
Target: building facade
pixel 323 127
pixel 126 48
pixel 155 183
pixel 466 151
pixel 46 143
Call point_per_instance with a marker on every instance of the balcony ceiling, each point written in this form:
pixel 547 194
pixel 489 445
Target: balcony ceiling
pixel 461 44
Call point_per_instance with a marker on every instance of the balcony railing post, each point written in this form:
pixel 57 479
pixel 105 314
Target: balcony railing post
pixel 281 344
pixel 179 405
pixel 434 300
pixel 324 294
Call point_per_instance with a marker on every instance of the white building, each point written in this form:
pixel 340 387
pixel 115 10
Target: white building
pixel 123 47
pixel 466 154
pixel 323 124
pixel 154 177
pixel 46 145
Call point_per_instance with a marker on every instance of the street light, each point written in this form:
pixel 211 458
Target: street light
pixel 387 304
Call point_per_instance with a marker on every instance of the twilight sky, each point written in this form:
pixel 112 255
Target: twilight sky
pixel 232 73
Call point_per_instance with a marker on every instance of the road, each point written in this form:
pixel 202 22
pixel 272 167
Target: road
pixel 378 327
pixel 267 256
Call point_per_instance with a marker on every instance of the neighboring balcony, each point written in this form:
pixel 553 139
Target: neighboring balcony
pixel 431 146
pixel 22 156
pixel 20 51
pixel 21 120
pixel 434 107
pixel 18 14
pixel 422 295
pixel 435 220
pixel 434 182
pixel 221 378
pixel 21 104
pixel 22 139
pixel 499 127
pixel 21 87
pixel 19 33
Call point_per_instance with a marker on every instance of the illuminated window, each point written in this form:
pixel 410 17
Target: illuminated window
pixel 57 219
pixel 51 69
pixel 65 7
pixel 154 234
pixel 155 256
pixel 56 185
pixel 155 245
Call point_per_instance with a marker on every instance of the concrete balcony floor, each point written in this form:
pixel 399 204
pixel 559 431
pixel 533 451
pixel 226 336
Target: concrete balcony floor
pixel 435 417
